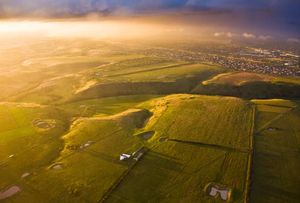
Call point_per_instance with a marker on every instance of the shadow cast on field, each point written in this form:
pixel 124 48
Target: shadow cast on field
pixel 271 191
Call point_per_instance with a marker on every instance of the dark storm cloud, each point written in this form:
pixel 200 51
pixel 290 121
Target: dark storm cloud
pixel 287 10
pixel 71 7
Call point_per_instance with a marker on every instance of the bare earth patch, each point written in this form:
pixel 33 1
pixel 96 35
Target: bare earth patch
pixel 9 192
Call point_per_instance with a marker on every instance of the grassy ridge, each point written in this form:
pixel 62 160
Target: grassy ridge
pixel 85 174
pixel 178 80
pixel 107 77
pixel 198 116
pixel 104 99
pixel 105 106
pixel 250 85
pixel 178 171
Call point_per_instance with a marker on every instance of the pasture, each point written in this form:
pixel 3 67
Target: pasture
pixel 71 112
pixel 25 147
pixel 250 86
pixel 84 161
pixel 63 74
pixel 276 157
pixel 195 152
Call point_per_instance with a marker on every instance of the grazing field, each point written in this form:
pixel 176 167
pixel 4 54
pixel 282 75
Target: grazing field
pixel 25 145
pixel 104 106
pixel 177 172
pixel 276 152
pixel 238 78
pixel 89 162
pixel 88 70
pixel 270 110
pixel 85 165
pixel 197 116
pixel 196 151
pixel 91 121
pixel 250 85
pixel 181 78
pixel 163 73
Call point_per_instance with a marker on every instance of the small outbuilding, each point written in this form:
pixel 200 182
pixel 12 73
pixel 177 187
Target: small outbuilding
pixel 124 157
pixel 139 153
pixel 218 191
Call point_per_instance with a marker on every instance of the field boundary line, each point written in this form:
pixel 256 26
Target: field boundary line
pixel 273 120
pixel 249 174
pixel 120 179
pixel 79 151
pixel 214 146
pixel 253 151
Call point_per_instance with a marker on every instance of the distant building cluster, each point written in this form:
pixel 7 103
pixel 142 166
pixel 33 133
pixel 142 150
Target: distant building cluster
pixel 275 62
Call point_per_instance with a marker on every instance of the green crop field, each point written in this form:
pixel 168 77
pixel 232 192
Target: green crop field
pixel 276 141
pixel 198 151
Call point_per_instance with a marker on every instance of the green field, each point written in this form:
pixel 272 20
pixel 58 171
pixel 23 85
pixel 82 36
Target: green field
pixel 218 160
pixel 25 147
pixel 195 155
pixel 70 110
pixel 250 86
pixel 276 152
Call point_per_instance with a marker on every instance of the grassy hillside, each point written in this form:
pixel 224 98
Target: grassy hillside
pixel 177 172
pixel 60 79
pixel 85 165
pixel 203 110
pixel 77 70
pixel 104 106
pixel 276 157
pixel 162 80
pixel 194 153
pixel 29 139
pixel 250 85
pixel 70 109
pixel 86 173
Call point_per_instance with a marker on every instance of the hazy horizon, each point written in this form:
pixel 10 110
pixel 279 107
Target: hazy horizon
pixel 270 18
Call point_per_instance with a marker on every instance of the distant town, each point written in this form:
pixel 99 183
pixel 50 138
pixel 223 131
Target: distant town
pixel 250 59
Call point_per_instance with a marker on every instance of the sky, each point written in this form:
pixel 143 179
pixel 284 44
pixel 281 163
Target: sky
pixel 287 8
pixel 282 14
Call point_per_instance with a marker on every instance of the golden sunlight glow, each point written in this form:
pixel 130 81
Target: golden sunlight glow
pixel 96 29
